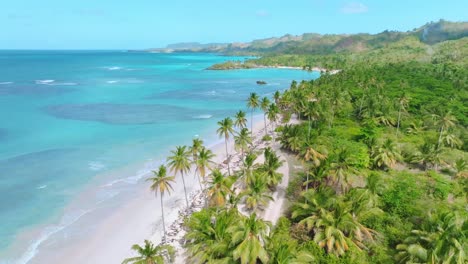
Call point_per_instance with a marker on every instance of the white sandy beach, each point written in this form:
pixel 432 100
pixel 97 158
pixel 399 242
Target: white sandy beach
pixel 140 218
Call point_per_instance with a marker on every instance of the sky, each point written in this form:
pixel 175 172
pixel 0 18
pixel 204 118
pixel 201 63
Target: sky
pixel 139 24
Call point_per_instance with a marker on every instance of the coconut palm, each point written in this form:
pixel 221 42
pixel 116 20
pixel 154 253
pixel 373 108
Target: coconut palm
pixel 242 140
pixel 386 154
pixel 180 162
pixel 341 168
pixel 264 104
pixel 219 187
pixel 248 167
pixel 240 121
pixel 161 183
pixel 403 101
pixel 204 161
pixel 256 195
pixel 277 96
pixel 270 166
pixel 310 153
pixel 443 122
pixel 272 114
pixel 197 144
pixel 209 236
pixel 225 130
pixel 442 240
pixel 253 102
pixel 311 110
pixel 249 236
pixel 150 254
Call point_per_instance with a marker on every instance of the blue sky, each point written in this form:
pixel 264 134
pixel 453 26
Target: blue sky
pixel 119 24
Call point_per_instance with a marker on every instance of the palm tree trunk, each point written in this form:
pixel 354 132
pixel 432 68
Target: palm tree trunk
pixel 310 125
pixel 398 123
pixel 199 181
pixel 440 137
pixel 162 215
pixel 251 123
pixel 185 189
pixel 227 157
pixel 264 120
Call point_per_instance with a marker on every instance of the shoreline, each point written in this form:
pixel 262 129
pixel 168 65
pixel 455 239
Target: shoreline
pixel 243 66
pixel 129 221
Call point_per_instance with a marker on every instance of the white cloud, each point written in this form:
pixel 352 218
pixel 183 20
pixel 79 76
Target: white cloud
pixel 354 8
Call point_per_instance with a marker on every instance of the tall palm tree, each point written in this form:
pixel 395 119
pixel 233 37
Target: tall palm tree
pixel 272 114
pixel 277 96
pixel 180 162
pixel 150 254
pixel 311 110
pixel 225 130
pixel 403 101
pixel 310 153
pixel 219 187
pixel 386 154
pixel 253 102
pixel 250 236
pixel 264 104
pixel 270 166
pixel 443 122
pixel 204 161
pixel 240 120
pixel 341 168
pixel 197 145
pixel 161 183
pixel 242 140
pixel 248 167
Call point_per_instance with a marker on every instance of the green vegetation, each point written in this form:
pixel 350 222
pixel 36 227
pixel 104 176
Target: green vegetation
pixel 383 156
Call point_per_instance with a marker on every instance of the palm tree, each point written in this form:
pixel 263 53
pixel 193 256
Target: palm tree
pixel 242 140
pixel 150 254
pixel 443 122
pixel 252 103
pixel 256 195
pixel 341 168
pixel 403 101
pixel 248 166
pixel 331 220
pixel 264 104
pixel 240 120
pixel 161 183
pixel 270 166
pixel 209 236
pixel 277 96
pixel 180 162
pixel 312 112
pixel 197 144
pixel 249 236
pixel 441 240
pixel 386 155
pixel 272 115
pixel 219 187
pixel 225 130
pixel 310 153
pixel 204 161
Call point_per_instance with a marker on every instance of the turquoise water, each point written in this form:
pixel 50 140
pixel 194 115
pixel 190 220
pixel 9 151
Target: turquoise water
pixel 68 117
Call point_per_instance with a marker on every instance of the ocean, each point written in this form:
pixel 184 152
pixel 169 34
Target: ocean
pixel 95 122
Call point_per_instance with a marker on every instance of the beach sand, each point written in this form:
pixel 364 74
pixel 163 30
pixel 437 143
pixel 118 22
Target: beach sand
pixel 133 221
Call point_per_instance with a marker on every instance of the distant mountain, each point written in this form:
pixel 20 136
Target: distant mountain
pixel 433 33
pixel 317 44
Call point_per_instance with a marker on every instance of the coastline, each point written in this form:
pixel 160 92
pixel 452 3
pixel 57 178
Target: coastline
pixel 129 223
